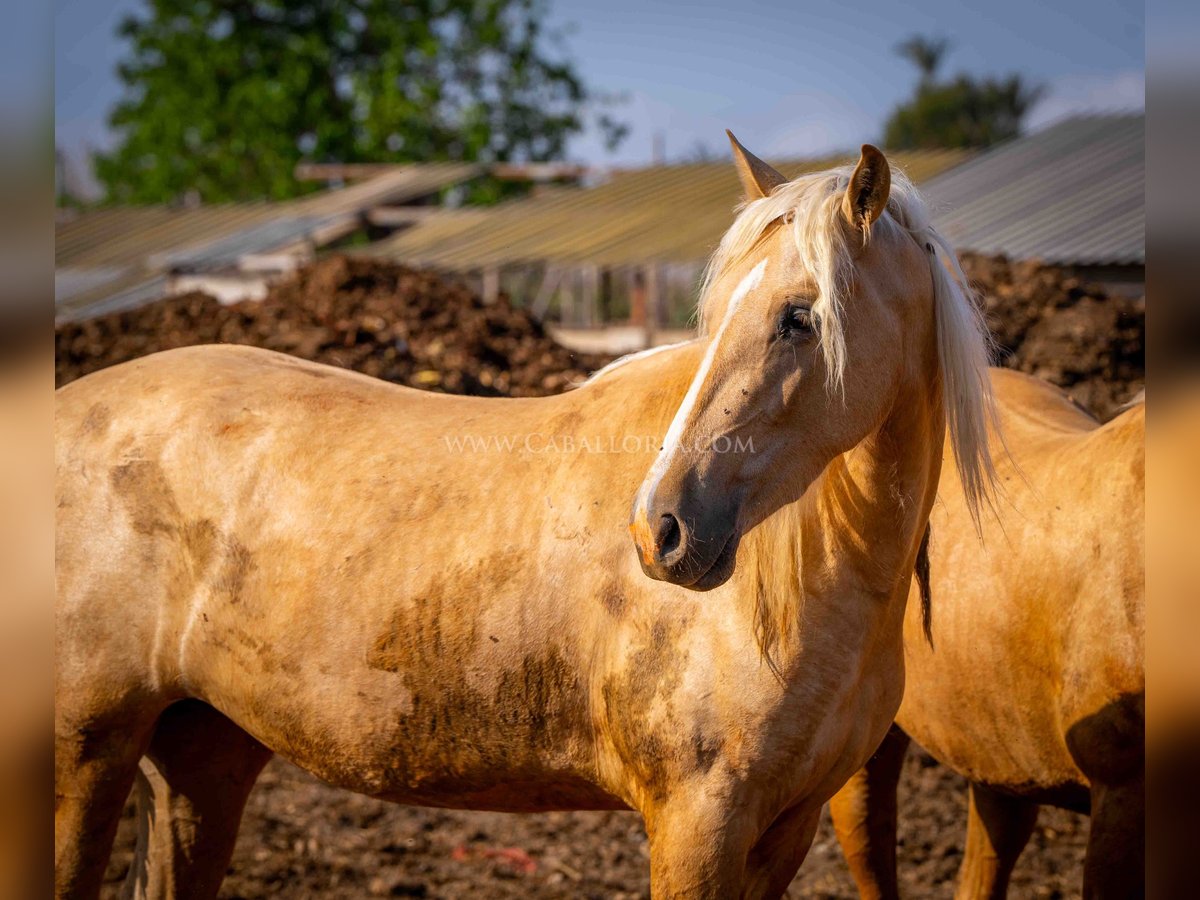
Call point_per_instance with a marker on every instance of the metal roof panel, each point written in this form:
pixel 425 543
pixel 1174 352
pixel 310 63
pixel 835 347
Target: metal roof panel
pixel 1071 194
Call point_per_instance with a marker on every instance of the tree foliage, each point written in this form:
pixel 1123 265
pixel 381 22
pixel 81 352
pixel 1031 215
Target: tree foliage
pixel 926 53
pixel 224 97
pixel 959 112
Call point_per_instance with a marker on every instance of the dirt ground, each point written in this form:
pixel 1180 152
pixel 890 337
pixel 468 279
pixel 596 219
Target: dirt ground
pixel 301 838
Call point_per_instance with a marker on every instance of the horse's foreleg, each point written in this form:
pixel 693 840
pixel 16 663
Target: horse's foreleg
pixel 1115 865
pixel 94 766
pixel 192 788
pixel 864 818
pixel 696 851
pixel 998 827
pixel 777 856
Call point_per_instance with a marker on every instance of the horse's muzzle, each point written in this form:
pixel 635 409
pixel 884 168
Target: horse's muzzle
pixel 696 553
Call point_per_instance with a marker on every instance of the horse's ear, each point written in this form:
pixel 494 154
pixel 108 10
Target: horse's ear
pixel 867 194
pixel 758 179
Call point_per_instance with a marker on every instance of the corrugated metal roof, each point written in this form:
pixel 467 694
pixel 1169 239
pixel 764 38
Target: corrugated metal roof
pixel 1072 194
pixel 131 288
pixel 667 213
pixel 116 257
pixel 129 235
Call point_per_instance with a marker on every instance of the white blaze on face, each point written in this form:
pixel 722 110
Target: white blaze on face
pixel 679 423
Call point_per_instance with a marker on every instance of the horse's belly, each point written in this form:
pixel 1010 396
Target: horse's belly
pixel 516 739
pixel 996 743
pixel 464 762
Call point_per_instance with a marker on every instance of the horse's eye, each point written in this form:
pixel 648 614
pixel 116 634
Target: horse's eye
pixel 795 321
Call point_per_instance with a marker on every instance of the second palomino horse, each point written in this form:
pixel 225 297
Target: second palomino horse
pixel 1026 662
pixel 432 599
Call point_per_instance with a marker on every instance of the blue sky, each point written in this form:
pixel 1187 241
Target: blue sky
pixel 791 78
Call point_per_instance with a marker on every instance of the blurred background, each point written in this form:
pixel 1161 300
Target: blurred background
pixel 568 156
pixel 497 197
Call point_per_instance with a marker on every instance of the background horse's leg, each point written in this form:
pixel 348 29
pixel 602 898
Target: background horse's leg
pixel 998 827
pixel 192 788
pixel 777 856
pixel 1109 746
pixel 864 818
pixel 1115 865
pixel 95 761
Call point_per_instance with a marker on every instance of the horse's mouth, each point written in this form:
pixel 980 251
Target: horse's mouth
pixel 722 567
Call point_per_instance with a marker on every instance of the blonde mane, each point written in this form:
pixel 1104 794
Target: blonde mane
pixel 811 206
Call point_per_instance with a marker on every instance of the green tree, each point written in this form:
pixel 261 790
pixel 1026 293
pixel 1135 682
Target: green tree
pixel 926 53
pixel 960 112
pixel 224 97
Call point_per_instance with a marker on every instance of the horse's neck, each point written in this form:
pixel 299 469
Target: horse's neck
pixel 870 505
pixel 853 536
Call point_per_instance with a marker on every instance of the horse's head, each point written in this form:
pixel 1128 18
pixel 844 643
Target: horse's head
pixel 824 302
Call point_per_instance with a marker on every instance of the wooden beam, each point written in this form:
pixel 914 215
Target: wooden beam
pixel 547 171
pixel 342 171
pixel 335 230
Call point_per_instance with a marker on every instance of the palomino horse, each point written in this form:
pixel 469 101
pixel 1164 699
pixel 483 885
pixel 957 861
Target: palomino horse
pixel 1031 682
pixel 431 600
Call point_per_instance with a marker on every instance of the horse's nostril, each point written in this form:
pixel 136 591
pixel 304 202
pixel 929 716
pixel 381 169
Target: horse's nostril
pixel 669 535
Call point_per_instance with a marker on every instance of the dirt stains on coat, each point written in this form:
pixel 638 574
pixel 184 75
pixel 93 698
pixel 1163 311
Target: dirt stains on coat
pixel 237 566
pixel 148 498
pixel 652 738
pixel 96 422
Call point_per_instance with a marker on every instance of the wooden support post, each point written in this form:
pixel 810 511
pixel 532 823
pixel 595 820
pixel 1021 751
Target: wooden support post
pixel 605 299
pixel 653 303
pixel 637 298
pixel 491 284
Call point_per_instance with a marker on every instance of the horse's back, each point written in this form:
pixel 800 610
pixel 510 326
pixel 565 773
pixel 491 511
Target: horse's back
pixel 181 380
pixel 165 468
pixel 1038 626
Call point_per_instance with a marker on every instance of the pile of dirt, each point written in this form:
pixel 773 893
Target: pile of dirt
pixel 389 321
pixel 1049 323
pixel 419 329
